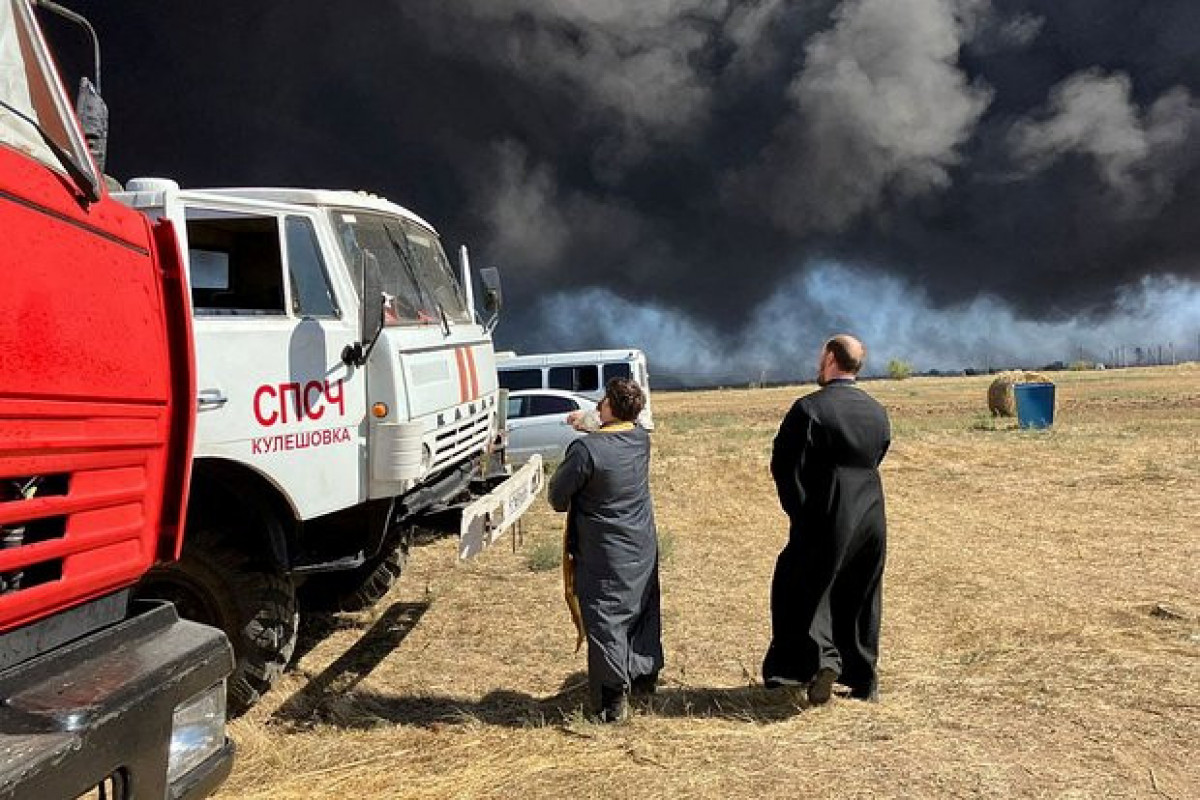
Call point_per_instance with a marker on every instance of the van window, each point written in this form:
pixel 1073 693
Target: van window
pixel 312 296
pixel 582 378
pixel 239 269
pixel 513 379
pixel 621 370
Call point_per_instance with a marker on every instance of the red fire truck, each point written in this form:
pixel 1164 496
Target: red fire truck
pixel 97 693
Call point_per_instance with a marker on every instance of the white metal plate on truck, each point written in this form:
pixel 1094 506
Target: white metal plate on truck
pixel 485 520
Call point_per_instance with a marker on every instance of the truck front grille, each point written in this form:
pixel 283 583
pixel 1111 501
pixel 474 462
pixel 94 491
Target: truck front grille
pixel 456 441
pixel 78 512
pixel 18 491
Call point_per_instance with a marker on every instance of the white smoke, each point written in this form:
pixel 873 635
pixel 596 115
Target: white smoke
pixel 996 33
pixel 895 320
pixel 1138 154
pixel 521 209
pixel 747 28
pixel 1020 31
pixel 533 220
pixel 880 107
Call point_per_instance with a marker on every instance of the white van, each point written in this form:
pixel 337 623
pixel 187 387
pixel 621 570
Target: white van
pixel 584 372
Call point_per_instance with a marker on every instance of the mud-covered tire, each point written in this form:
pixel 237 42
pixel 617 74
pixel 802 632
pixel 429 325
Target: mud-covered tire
pixel 357 589
pixel 253 602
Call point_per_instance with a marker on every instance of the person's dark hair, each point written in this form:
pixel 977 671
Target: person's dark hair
pixel 625 398
pixel 847 352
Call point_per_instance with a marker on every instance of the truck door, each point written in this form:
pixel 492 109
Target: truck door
pixel 270 327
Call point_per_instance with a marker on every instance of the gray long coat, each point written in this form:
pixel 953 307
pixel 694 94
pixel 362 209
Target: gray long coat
pixel 604 483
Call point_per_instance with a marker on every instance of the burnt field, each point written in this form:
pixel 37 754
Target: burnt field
pixel 1041 626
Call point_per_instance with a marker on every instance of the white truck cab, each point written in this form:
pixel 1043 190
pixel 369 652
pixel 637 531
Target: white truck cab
pixel 345 388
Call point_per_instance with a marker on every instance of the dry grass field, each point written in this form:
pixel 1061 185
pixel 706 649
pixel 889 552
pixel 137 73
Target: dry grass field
pixel 1041 627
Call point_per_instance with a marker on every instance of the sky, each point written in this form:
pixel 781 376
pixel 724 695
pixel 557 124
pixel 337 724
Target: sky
pixel 962 183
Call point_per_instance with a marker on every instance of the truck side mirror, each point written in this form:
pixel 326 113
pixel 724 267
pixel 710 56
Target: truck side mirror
pixel 93 120
pixel 92 113
pixel 373 304
pixel 493 296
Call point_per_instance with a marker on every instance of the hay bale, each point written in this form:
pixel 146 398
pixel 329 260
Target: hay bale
pixel 1002 402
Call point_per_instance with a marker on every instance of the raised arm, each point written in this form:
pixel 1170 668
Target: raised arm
pixel 571 475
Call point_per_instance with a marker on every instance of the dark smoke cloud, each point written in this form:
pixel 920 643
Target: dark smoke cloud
pixel 876 116
pixel 712 168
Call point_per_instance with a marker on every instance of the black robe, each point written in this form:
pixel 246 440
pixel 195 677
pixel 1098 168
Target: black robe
pixel 826 593
pixel 604 482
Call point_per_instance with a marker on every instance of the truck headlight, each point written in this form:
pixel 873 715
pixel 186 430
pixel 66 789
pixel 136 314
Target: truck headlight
pixel 197 731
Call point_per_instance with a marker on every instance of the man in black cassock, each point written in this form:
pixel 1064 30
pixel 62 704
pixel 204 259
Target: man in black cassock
pixel 826 593
pixel 604 485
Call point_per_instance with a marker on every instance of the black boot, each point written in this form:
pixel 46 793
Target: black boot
pixel 614 705
pixel 644 685
pixel 821 688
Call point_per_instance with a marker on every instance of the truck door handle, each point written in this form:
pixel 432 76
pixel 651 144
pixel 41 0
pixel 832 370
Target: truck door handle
pixel 211 398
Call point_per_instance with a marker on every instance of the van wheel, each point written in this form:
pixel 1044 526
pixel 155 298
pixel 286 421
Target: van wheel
pixel 357 589
pixel 254 603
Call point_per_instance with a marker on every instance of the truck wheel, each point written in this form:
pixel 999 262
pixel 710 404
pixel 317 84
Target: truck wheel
pixel 357 589
pixel 252 602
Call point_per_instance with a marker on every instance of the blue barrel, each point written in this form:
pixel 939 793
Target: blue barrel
pixel 1035 404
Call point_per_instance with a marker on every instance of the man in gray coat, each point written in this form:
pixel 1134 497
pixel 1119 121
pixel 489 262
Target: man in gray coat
pixel 604 485
pixel 827 590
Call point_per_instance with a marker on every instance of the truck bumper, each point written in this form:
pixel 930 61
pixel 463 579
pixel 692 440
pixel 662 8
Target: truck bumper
pixel 486 519
pixel 103 707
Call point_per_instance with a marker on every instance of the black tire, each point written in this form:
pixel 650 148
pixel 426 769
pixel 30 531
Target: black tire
pixel 254 603
pixel 357 589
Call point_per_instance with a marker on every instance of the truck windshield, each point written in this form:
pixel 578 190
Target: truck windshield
pixel 416 275
pixel 29 88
